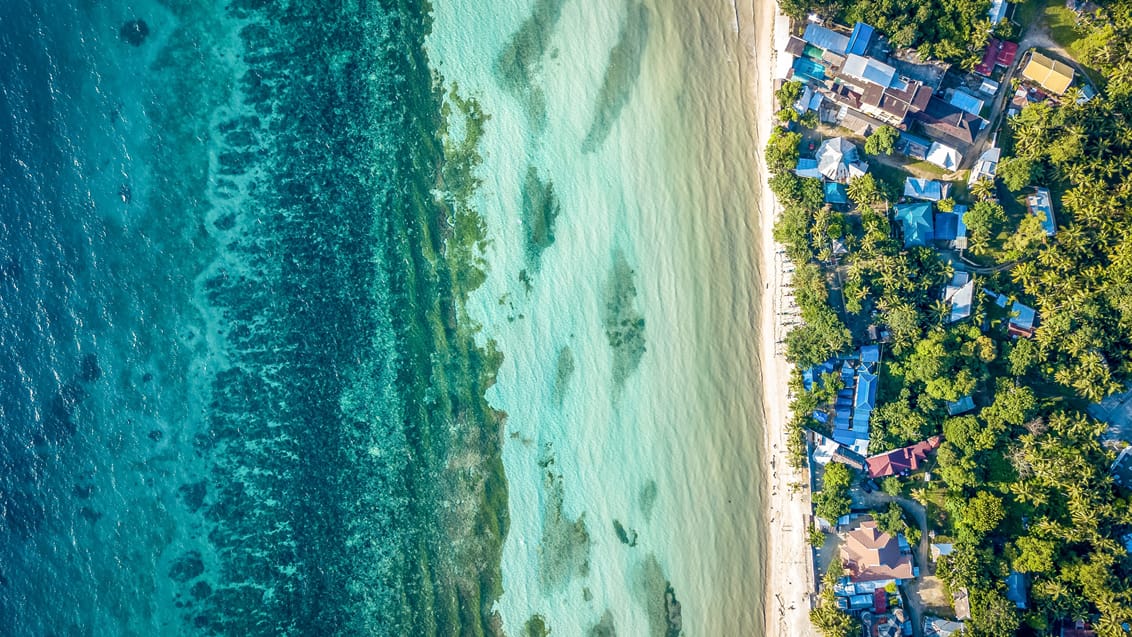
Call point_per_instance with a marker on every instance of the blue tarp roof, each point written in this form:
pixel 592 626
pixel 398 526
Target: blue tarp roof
pixel 836 193
pixel 822 37
pixel 859 41
pixel 916 219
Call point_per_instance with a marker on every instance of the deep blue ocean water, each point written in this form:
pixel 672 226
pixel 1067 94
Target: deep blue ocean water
pixel 231 361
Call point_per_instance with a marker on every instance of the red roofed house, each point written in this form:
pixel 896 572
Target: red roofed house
pixel 905 459
pixel 870 555
pixel 997 53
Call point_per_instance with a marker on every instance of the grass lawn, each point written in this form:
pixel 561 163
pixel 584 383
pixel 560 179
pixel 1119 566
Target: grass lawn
pixel 1062 26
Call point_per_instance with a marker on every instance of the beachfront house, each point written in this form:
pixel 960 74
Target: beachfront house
pixel 1041 204
pixel 839 161
pixel 1052 75
pixel 854 404
pixel 902 461
pixel 959 294
pixel 916 222
pixel 871 555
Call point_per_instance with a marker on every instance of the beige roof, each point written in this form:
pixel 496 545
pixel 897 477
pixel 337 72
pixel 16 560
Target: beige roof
pixel 870 554
pixel 1054 76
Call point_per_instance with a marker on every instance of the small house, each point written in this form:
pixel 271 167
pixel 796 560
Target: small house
pixel 917 223
pixel 824 38
pixel 959 294
pixel 961 406
pixel 1021 320
pixel 944 156
pixel 836 193
pixel 925 189
pixel 1121 470
pixel 986 166
pixel 950 229
pixel 1053 75
pixel 1016 589
pixel 902 461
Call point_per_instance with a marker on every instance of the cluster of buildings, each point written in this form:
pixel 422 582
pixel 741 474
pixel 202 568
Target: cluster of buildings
pixel 850 81
pixel 852 408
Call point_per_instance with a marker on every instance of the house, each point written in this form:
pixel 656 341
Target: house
pixel 828 450
pixel 937 627
pixel 1021 320
pixel 824 38
pixel 913 146
pixel 903 460
pixel 959 294
pixel 961 406
pixel 998 53
pixel 961 602
pixel 1121 470
pixel 1016 589
pixel 1041 204
pixel 838 160
pixel 865 397
pixel 1053 75
pixel 866 70
pixel 944 156
pixel 836 193
pixel 860 39
pixel 925 189
pixel 872 555
pixel 966 102
pixel 807 168
pixel 988 87
pixel 948 123
pixel 916 221
pixel 986 166
pixel 795 46
pixel 950 229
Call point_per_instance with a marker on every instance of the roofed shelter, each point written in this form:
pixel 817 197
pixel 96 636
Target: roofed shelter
pixel 870 554
pixel 1053 75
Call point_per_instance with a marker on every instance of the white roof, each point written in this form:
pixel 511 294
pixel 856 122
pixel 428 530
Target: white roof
pixel 869 70
pixel 986 167
pixel 997 11
pixel 943 156
pixel 989 86
pixel 960 300
pixel 835 156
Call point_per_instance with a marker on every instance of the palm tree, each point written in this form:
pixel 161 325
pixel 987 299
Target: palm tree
pixel 983 189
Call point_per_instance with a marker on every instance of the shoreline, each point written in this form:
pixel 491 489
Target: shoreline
pixel 789 570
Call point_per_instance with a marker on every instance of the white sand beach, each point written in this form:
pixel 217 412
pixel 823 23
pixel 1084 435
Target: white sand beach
pixel 789 568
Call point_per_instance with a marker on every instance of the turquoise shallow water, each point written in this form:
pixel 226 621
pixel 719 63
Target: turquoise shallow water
pixel 343 318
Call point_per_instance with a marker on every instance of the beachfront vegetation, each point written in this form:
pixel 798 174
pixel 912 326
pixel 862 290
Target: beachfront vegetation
pixel 1021 480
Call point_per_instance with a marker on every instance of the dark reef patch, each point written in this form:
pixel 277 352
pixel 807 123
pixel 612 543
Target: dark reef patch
pixel 564 372
pixel 188 566
pixel 656 594
pixel 604 627
pixel 564 549
pixel 134 32
pixel 624 324
pixel 517 66
pixel 536 627
pixel 621 74
pixel 540 212
pixel 628 537
pixel 646 499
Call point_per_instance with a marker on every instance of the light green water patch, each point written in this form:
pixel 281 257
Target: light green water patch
pixel 624 324
pixel 628 537
pixel 564 550
pixel 564 372
pixel 655 593
pixel 604 628
pixel 536 627
pixel 646 500
pixel 620 74
pixel 517 66
pixel 540 211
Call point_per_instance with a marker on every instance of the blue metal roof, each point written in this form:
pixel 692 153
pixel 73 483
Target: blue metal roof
pixel 822 37
pixel 946 226
pixel 836 193
pixel 1025 318
pixel 866 394
pixel 966 102
pixel 870 354
pixel 917 223
pixel 859 41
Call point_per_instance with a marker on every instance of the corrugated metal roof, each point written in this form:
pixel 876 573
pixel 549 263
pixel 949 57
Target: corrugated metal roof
pixel 822 37
pixel 869 70
pixel 859 40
